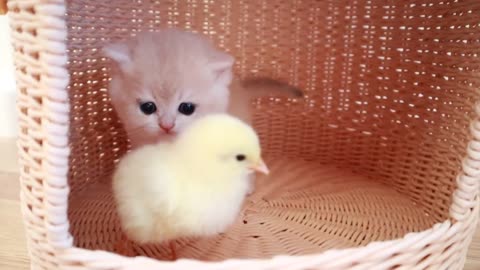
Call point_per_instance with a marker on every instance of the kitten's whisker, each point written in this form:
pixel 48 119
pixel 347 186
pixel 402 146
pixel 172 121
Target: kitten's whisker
pixel 137 129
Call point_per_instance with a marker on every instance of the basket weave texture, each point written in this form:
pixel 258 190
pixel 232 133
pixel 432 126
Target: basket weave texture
pixel 378 168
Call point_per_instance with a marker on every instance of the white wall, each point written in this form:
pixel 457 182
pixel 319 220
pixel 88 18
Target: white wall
pixel 8 119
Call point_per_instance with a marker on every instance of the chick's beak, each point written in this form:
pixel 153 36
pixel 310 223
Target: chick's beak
pixel 260 167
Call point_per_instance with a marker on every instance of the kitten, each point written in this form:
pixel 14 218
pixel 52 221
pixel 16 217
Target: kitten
pixel 162 81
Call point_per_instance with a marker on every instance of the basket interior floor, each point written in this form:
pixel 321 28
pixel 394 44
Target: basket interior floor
pixel 300 208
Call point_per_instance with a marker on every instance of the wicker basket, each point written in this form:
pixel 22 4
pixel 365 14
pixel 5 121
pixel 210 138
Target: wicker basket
pixel 377 168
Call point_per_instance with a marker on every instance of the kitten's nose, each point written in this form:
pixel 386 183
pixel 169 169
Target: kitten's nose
pixel 166 126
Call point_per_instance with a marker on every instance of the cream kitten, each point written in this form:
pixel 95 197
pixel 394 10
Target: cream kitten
pixel 164 80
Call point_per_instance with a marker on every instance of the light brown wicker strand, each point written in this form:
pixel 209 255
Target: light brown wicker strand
pixel 39 33
pixel 465 197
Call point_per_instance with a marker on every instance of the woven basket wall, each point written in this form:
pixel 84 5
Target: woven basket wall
pixel 377 168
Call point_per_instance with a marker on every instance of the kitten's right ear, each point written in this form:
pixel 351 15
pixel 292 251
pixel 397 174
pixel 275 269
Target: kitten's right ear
pixel 221 64
pixel 120 53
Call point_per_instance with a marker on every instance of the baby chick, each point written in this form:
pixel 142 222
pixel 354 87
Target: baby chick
pixel 194 186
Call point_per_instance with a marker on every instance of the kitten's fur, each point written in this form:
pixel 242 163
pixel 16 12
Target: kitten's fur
pixel 172 66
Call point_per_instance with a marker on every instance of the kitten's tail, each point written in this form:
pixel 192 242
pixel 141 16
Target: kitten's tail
pixel 263 86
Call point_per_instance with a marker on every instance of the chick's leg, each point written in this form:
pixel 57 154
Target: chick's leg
pixel 251 184
pixel 172 250
pixel 124 246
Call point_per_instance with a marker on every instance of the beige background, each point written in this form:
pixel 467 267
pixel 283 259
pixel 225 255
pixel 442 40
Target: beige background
pixel 8 117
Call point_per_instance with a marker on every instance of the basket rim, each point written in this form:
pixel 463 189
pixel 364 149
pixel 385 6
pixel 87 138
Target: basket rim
pixel 376 252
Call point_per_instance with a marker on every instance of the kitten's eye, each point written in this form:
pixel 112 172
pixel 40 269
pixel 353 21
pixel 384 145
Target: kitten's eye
pixel 186 108
pixel 148 107
pixel 240 157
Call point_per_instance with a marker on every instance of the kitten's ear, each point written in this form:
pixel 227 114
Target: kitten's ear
pixel 221 64
pixel 120 53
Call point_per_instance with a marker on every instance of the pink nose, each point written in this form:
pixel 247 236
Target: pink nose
pixel 167 127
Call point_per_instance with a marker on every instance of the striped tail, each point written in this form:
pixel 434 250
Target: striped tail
pixel 259 87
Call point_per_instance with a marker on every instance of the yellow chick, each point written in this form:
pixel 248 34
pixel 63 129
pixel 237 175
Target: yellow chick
pixel 194 186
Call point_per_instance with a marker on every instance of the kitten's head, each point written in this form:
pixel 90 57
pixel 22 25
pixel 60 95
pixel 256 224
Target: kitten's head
pixel 164 80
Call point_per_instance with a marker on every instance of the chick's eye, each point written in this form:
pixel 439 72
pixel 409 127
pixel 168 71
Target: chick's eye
pixel 186 108
pixel 148 107
pixel 240 157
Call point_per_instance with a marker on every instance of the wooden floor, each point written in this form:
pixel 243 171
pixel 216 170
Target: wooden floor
pixel 13 251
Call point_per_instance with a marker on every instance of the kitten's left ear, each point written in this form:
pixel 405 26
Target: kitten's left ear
pixel 221 64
